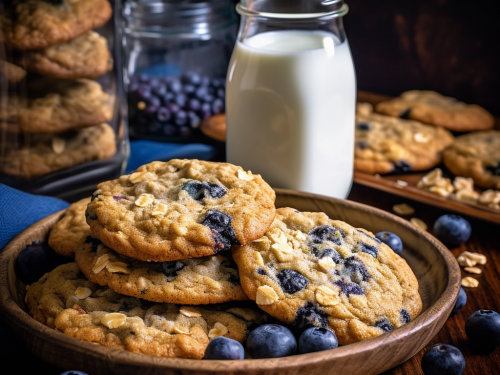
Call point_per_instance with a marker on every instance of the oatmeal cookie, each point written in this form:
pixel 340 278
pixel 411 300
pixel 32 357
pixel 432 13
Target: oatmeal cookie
pixel 181 209
pixel 63 299
pixel 308 269
pixel 434 109
pixel 387 144
pixel 11 72
pixel 476 155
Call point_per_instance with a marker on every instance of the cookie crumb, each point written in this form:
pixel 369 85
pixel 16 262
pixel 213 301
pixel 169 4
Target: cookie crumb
pixel 418 223
pixel 474 270
pixel 403 209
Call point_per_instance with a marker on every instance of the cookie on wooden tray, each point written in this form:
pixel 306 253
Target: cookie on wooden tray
pixel 46 153
pixel 195 281
pixel 181 209
pixel 71 230
pixel 476 155
pixel 11 72
pixel 387 144
pixel 86 56
pixel 63 299
pixel 433 108
pixel 57 105
pixel 310 270
pixel 38 24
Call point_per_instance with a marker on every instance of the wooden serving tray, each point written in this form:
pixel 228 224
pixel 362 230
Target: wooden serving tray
pixel 389 183
pixel 433 264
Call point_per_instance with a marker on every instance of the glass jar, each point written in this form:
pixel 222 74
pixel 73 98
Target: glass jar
pixel 177 54
pixel 291 93
pixel 62 122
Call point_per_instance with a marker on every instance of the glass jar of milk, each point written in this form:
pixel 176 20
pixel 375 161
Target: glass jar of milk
pixel 291 93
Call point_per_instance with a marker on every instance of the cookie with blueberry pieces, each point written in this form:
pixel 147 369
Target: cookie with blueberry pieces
pixel 310 270
pixel 476 155
pixel 387 144
pixel 195 281
pixel 70 230
pixel 181 209
pixel 65 300
pixel 435 109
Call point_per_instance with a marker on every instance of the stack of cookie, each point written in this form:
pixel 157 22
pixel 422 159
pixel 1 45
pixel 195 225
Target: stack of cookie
pixel 161 237
pixel 56 117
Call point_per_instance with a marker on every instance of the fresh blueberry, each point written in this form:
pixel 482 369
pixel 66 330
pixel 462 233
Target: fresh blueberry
pixel 193 120
pixel 326 233
pixel 271 341
pixel 169 130
pixel 163 114
pixel 181 100
pixel 223 348
pixel 317 339
pixel 191 78
pixel 218 106
pixel 73 372
pixel 144 92
pixel 175 87
pixel 36 260
pixel 368 249
pixel 200 190
pixel 392 240
pixel 292 281
pixel 443 359
pixel 206 110
pixel 168 98
pixel 221 93
pixel 452 230
pixel 461 301
pixel 349 288
pixel 161 90
pixel 154 101
pixel 194 105
pixel 170 269
pixel 483 330
pixel 173 108
pixel 209 98
pixel 201 92
pixel 205 81
pixel 384 325
pixel 189 89
pixel 181 118
pixel 223 233
pixel 308 315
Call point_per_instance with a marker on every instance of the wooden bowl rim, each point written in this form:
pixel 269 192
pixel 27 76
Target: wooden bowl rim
pixel 442 305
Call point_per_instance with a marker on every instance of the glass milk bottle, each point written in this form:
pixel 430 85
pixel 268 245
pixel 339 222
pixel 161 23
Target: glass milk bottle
pixel 291 93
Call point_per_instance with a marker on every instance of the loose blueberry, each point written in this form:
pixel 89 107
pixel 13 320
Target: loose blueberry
pixel 443 359
pixel 292 281
pixel 222 230
pixel 36 260
pixel 200 190
pixel 405 317
pixel 368 249
pixel 391 240
pixel 405 114
pixel 349 288
pixel 452 230
pixel 309 315
pixel 483 330
pixel 73 372
pixel 363 126
pixel 317 339
pixel 224 348
pixel 384 325
pixel 461 301
pixel 170 269
pixel 271 341
pixel 401 167
pixel 326 233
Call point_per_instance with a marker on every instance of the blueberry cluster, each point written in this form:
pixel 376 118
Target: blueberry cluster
pixel 173 106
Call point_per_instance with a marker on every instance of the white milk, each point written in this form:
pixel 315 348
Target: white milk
pixel 290 110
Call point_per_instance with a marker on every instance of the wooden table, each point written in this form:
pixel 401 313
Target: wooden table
pixel 484 240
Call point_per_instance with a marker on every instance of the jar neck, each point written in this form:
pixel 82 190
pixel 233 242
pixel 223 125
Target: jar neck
pixel 293 9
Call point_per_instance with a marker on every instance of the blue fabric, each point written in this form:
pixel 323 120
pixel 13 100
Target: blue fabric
pixel 143 152
pixel 19 210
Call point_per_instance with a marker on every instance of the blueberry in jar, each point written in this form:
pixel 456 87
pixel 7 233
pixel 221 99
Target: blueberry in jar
pixel 443 359
pixel 224 348
pixel 74 372
pixel 316 339
pixel 392 240
pixel 271 341
pixel 452 230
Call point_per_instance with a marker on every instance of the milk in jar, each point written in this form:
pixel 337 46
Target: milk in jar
pixel 290 110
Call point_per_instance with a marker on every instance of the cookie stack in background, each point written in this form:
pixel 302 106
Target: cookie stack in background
pixel 175 254
pixel 55 116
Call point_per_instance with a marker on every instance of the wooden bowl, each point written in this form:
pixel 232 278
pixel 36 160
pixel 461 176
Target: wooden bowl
pixel 435 267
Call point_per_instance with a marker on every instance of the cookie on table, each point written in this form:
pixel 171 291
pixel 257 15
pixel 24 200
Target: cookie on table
pixel 387 144
pixel 308 269
pixel 435 109
pixel 57 105
pixel 86 56
pixel 38 24
pixel 71 230
pixel 476 155
pixel 181 209
pixel 195 281
pixel 46 153
pixel 64 300
pixel 11 72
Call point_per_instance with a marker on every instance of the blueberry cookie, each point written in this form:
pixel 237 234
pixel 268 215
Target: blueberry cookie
pixel 310 270
pixel 433 108
pixel 37 24
pixel 54 105
pixel 11 72
pixel 195 281
pixel 70 230
pixel 476 155
pixel 84 57
pixel 387 144
pixel 42 154
pixel 181 209
pixel 63 299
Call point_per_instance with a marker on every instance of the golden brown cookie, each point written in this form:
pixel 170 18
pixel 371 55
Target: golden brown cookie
pixel 38 24
pixel 54 105
pixel 181 209
pixel 476 155
pixel 71 230
pixel 432 108
pixel 86 56
pixel 63 299
pixel 11 72
pixel 387 144
pixel 310 270
pixel 42 154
